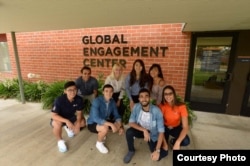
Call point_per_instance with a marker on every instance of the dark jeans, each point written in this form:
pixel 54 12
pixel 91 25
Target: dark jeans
pixel 131 133
pixel 175 132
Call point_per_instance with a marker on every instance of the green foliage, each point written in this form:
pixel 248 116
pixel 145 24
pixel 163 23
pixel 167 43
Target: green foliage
pixel 53 91
pixel 101 82
pixel 127 111
pixel 191 114
pixel 9 88
pixel 86 108
pixel 33 91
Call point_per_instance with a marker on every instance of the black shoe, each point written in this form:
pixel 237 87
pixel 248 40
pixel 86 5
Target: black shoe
pixel 128 157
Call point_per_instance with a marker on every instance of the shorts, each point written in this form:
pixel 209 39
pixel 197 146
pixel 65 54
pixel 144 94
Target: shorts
pixel 92 128
pixel 72 120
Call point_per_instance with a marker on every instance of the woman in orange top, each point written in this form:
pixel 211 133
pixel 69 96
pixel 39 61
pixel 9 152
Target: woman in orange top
pixel 175 118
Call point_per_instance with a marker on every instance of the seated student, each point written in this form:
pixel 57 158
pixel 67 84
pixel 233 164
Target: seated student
pixel 87 85
pixel 156 83
pixel 116 79
pixel 175 118
pixel 63 114
pixel 136 80
pixel 100 111
pixel 146 122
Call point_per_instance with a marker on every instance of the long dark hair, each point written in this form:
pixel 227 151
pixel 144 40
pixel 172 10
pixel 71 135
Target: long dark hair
pixel 151 81
pixel 143 76
pixel 176 102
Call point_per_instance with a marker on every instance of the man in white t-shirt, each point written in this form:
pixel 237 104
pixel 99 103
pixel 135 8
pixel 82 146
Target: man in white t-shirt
pixel 146 121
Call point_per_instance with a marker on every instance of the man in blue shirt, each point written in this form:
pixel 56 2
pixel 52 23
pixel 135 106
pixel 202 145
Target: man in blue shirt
pixel 87 85
pixel 63 114
pixel 98 121
pixel 146 121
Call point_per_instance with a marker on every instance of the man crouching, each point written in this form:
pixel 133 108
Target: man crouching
pixel 146 121
pixel 63 114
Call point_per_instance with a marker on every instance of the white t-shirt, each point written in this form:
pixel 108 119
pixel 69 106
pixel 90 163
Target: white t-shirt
pixel 144 120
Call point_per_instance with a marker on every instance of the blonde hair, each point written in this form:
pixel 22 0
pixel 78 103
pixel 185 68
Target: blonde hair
pixel 115 66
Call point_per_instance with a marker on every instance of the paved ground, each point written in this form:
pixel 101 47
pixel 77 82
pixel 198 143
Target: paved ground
pixel 26 139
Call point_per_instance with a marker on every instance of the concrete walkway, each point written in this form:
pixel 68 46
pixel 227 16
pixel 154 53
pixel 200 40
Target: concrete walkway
pixel 26 139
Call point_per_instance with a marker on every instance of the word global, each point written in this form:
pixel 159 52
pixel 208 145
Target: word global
pixel 115 51
pixel 105 39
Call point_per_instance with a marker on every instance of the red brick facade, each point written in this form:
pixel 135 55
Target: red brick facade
pixel 58 55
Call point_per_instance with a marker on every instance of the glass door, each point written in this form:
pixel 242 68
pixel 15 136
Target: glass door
pixel 246 100
pixel 209 72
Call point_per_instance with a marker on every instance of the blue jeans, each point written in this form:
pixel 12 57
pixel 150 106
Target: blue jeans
pixel 175 132
pixel 131 133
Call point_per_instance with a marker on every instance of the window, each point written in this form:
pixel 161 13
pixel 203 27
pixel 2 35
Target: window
pixel 4 54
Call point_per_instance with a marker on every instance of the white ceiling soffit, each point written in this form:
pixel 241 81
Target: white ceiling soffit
pixel 198 15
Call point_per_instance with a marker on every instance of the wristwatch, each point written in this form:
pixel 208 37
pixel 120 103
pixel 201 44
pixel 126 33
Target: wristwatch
pixel 158 150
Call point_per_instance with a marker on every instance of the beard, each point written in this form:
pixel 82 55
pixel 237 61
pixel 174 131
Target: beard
pixel 144 104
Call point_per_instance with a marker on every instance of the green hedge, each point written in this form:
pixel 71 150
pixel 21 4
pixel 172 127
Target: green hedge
pixel 52 91
pixel 9 88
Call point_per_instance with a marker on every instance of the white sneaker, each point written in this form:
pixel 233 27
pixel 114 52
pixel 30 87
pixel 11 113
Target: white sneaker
pixel 69 132
pixel 101 147
pixel 61 146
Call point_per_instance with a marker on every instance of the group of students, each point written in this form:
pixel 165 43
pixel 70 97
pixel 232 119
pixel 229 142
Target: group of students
pixel 153 121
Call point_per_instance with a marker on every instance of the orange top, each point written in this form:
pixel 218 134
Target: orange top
pixel 172 115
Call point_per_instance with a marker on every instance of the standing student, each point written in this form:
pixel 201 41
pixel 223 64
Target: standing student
pixel 63 114
pixel 136 80
pixel 156 83
pixel 117 80
pixel 146 122
pixel 87 85
pixel 175 118
pixel 98 121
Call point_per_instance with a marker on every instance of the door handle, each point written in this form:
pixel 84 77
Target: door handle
pixel 229 77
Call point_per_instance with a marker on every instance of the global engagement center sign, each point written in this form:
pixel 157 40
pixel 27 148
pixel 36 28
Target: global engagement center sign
pixel 117 48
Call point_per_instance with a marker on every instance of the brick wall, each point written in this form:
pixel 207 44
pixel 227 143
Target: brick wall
pixel 58 55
